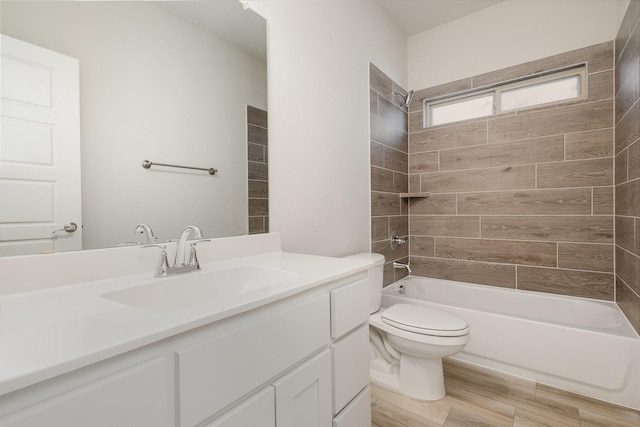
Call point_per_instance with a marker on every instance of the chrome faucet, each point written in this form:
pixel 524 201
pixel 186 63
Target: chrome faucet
pixel 146 229
pixel 180 263
pixel 397 264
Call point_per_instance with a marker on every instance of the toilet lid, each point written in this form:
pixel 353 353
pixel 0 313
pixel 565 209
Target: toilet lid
pixel 425 321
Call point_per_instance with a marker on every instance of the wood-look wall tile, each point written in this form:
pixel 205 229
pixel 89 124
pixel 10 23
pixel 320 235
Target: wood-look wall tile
pixel 392 114
pixel 386 134
pixel 383 247
pixel 601 85
pixel 497 251
pixel 424 246
pixel 257 225
pixel 625 233
pixel 574 118
pixel 587 229
pixel 629 303
pixel 621 167
pixel 637 251
pixel 628 198
pixel 258 207
pixel 414 183
pixel 373 102
pixel 538 150
pixel 603 200
pixel 634 161
pixel 416 122
pixel 575 173
pixel 580 256
pixel 527 202
pixel 628 57
pixel 442 225
pixel 396 160
pixel 379 81
pixel 399 224
pixel 256 152
pixel 628 128
pixel 501 275
pixel 627 25
pixel 423 162
pixel 258 189
pixel 585 284
pixel 388 275
pixel 381 180
pixel 376 154
pixel 589 145
pixel 400 182
pixel 627 95
pixel 600 57
pixel 503 178
pixel 437 204
pixel 384 204
pixel 628 268
pixel 482 273
pixel 380 228
pixel 257 135
pixel 258 171
pixel 256 116
pixel 462 135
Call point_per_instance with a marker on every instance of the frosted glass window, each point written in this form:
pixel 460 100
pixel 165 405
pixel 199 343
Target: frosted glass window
pixel 542 89
pixel 462 109
pixel 540 93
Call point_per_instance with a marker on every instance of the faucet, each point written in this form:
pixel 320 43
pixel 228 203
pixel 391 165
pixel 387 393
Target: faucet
pixel 146 229
pixel 181 254
pixel 180 263
pixel 397 264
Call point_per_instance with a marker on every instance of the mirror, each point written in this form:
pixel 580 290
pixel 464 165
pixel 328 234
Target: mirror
pixel 168 82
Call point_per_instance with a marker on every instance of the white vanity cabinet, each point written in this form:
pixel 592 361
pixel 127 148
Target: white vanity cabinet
pixel 301 361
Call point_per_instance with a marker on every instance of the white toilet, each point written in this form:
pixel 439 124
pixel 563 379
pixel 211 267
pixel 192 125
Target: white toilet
pixel 409 341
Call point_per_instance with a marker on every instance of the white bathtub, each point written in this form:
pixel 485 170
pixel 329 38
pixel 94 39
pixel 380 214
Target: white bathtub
pixel 581 345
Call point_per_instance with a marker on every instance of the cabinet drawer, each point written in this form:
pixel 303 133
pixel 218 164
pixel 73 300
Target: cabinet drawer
pixel 349 307
pixel 257 411
pixel 350 367
pixel 357 413
pixel 215 373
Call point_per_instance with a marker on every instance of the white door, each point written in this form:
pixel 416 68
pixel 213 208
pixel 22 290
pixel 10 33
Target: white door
pixel 39 150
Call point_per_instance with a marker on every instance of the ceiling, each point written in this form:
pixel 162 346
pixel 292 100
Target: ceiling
pixel 417 16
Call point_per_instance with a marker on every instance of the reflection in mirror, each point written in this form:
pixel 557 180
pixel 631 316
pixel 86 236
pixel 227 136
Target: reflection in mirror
pixel 167 82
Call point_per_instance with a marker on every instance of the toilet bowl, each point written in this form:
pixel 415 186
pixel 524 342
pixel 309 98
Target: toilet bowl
pixel 408 342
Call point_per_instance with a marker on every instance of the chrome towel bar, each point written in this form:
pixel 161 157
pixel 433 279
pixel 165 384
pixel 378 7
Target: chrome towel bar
pixel 147 165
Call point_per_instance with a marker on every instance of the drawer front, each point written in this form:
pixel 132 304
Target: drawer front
pixel 357 413
pixel 349 307
pixel 350 367
pixel 257 411
pixel 215 373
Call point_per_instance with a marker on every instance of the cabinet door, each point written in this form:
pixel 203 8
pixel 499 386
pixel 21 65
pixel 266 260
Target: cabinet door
pixel 303 397
pixel 357 413
pixel 257 411
pixel 350 367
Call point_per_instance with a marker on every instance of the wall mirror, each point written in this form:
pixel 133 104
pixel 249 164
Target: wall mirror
pixel 166 81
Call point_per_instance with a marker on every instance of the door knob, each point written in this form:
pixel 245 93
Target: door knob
pixel 68 227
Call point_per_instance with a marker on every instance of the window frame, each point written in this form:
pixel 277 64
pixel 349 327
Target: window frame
pixel 579 70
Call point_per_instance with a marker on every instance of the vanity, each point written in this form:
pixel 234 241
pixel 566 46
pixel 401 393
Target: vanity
pixel 258 337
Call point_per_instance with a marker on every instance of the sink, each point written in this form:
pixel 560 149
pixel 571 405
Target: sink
pixel 202 287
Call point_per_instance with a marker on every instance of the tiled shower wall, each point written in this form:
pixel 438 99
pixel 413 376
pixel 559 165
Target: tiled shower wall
pixel 627 164
pixel 258 176
pixel 389 166
pixel 523 199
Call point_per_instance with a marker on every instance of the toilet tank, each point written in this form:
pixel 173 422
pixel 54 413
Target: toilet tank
pixel 375 277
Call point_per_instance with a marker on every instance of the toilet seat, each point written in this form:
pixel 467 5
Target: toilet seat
pixel 424 321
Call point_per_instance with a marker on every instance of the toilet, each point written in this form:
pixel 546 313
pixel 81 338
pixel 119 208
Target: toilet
pixel 407 341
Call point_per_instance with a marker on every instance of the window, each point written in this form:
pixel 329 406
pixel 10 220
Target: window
pixel 550 88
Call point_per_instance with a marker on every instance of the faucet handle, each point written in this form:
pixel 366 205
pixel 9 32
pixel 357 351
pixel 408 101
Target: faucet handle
pixel 193 258
pixel 163 266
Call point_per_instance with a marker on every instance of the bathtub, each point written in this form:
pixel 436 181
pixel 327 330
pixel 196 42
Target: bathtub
pixel 576 344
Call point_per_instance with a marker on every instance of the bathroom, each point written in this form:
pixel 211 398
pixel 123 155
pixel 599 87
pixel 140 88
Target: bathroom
pixel 321 154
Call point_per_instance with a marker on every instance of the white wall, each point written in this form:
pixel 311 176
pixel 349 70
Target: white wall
pixel 152 87
pixel 507 34
pixel 318 60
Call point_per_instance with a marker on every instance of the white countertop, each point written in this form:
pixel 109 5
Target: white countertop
pixel 47 332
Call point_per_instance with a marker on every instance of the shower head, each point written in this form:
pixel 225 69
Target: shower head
pixel 406 98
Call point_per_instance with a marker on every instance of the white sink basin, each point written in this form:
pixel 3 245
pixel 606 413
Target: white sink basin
pixel 201 287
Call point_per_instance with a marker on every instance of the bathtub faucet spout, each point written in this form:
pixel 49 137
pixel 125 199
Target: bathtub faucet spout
pixel 397 264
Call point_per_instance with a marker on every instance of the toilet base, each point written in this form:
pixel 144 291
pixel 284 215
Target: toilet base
pixel 418 378
pixel 421 378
